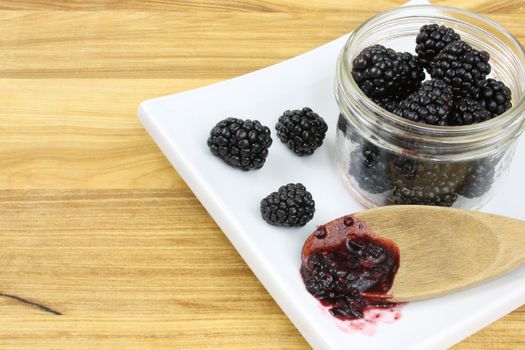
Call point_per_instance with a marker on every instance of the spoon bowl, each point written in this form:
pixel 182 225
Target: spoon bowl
pixel 443 250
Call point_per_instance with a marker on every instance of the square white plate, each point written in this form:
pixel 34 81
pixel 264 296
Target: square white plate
pixel 180 125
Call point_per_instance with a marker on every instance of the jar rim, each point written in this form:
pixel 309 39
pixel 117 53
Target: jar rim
pixel 504 120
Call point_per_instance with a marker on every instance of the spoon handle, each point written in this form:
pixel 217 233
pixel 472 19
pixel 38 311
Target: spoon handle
pixel 510 234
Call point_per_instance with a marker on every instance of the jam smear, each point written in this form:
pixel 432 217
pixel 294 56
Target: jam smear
pixel 348 268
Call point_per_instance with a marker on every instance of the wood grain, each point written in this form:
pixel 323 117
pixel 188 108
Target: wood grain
pixel 96 225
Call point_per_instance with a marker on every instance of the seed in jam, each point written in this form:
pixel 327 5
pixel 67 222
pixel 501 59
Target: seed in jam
pixel 348 221
pixel 321 232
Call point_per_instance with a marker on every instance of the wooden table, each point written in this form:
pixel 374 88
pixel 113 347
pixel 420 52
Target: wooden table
pixel 102 244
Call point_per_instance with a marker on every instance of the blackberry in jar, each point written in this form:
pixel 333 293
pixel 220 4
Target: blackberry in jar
pixel 434 145
pixel 495 97
pixel 380 71
pixel 462 67
pixel 369 168
pixel 431 104
pixel 431 39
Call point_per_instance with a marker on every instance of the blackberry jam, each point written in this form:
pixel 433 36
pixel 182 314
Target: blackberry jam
pixel 454 152
pixel 349 269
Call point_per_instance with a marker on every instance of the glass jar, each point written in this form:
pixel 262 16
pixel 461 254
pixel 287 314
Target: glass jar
pixel 385 159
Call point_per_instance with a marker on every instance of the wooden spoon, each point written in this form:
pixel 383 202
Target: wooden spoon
pixel 444 250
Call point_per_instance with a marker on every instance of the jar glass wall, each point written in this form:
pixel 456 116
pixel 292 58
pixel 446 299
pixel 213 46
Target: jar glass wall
pixel 385 159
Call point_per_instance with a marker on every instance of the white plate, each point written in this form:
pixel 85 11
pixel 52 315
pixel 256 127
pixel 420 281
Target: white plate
pixel 180 124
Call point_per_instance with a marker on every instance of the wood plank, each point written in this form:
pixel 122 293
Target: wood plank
pixel 175 280
pixel 173 265
pixel 63 133
pixel 112 261
pixel 245 6
pixel 201 5
pixel 116 44
pixel 59 251
pixel 189 331
pixel 112 44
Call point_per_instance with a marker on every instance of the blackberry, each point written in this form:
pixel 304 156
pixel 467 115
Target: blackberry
pixel 431 104
pixel 480 177
pixel 302 130
pixel 369 168
pixel 403 168
pixel 467 111
pixel 411 76
pixel 433 38
pixel 495 97
pixel 428 184
pixel 379 71
pixel 462 67
pixel 373 70
pixel 390 103
pixel 422 196
pixel 291 205
pixel 342 124
pixel 240 143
